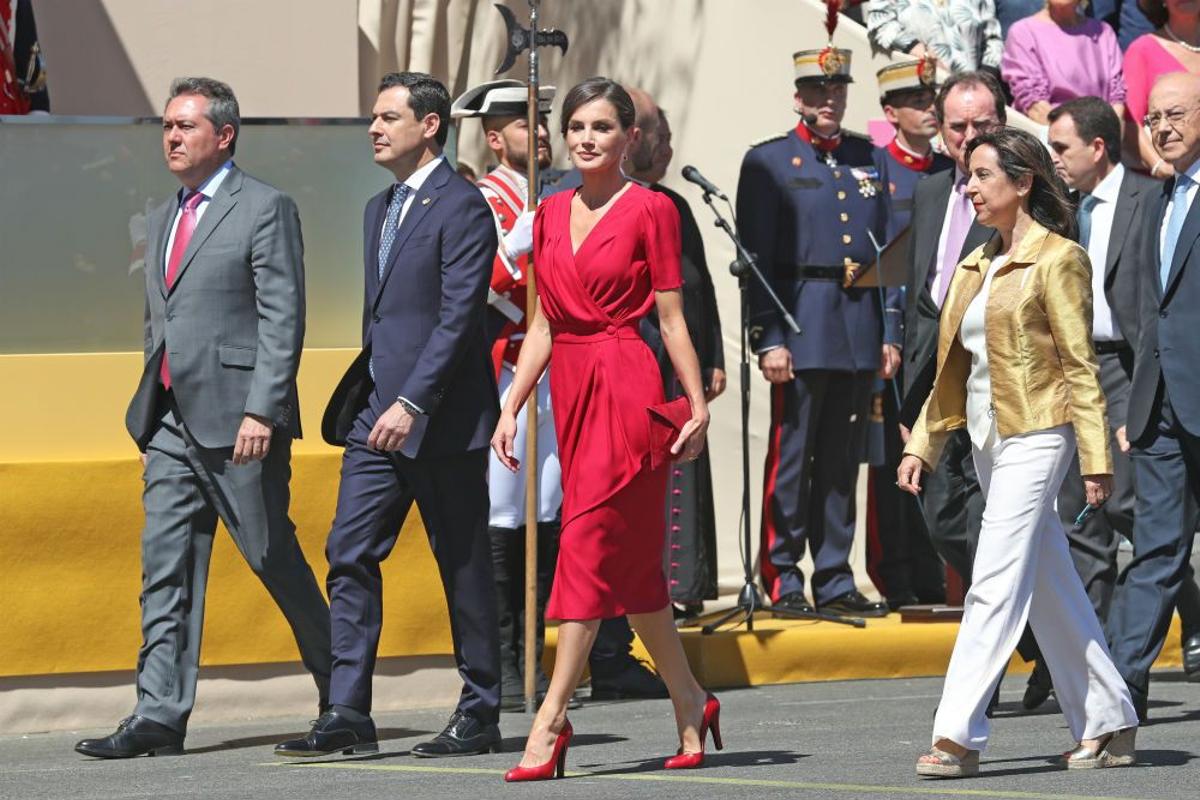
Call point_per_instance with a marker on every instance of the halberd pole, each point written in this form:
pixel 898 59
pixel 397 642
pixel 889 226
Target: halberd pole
pixel 520 39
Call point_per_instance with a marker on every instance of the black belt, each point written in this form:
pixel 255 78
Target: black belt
pixel 813 272
pixel 1105 347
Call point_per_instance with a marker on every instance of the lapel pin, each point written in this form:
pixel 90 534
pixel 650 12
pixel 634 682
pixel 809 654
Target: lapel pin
pixel 425 201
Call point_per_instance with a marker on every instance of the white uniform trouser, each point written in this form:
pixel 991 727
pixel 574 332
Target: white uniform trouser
pixel 506 490
pixel 1023 571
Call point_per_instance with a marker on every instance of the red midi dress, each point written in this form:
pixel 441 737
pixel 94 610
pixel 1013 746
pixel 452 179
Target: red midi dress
pixel 603 380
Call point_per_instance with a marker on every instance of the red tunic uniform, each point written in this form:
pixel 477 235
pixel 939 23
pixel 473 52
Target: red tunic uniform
pixel 505 191
pixel 604 380
pixel 13 99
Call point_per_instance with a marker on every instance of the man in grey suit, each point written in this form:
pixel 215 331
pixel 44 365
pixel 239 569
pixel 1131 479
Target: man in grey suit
pixel 215 412
pixel 943 232
pixel 1163 420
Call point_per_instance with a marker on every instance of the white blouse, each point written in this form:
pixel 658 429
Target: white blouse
pixel 981 416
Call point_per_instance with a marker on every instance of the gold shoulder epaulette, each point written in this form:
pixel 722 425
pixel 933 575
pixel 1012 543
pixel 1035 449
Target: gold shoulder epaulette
pixel 772 138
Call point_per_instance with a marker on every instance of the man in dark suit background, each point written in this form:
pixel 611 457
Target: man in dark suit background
pixel 216 410
pixel 415 412
pixel 1085 143
pixel 1163 420
pixel 690 557
pixel 943 232
pixel 901 559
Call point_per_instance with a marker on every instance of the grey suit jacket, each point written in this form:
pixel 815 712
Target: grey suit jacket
pixel 233 322
pixel 921 313
pixel 1122 275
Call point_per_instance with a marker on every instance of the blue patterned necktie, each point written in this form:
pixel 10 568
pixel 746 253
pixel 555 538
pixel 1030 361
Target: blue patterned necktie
pixel 1179 210
pixel 399 194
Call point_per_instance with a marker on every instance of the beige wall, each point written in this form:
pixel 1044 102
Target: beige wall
pixel 285 58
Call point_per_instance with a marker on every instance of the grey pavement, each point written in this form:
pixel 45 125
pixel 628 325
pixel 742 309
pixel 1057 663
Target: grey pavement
pixel 832 740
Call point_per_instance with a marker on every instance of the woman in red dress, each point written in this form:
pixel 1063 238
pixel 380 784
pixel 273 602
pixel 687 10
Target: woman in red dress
pixel 606 253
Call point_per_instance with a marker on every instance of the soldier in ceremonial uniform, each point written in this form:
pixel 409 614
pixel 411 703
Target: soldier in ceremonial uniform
pixel 906 93
pixel 502 106
pixel 901 559
pixel 806 201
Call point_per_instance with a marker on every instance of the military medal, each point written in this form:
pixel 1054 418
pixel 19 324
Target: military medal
pixel 868 180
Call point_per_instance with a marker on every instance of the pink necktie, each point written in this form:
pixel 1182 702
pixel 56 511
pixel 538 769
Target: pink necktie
pixel 183 235
pixel 960 222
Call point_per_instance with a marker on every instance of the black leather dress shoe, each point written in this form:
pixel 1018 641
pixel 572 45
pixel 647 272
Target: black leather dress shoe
pixel 794 601
pixel 1037 691
pixel 332 733
pixel 463 736
pixel 134 736
pixel 854 604
pixel 635 680
pixel 1191 657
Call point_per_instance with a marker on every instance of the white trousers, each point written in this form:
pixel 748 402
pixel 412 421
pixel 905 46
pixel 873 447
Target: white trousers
pixel 506 490
pixel 1023 572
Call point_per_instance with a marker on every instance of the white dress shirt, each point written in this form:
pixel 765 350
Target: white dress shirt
pixel 1104 324
pixel 208 189
pixel 414 183
pixel 981 419
pixel 940 258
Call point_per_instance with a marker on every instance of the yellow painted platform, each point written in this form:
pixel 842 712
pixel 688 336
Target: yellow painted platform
pixel 783 651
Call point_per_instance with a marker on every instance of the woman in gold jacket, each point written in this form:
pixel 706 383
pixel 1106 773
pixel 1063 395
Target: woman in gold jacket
pixel 1016 368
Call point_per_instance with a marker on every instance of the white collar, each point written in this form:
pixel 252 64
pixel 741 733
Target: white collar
pixel 1107 189
pixel 415 181
pixel 211 183
pixel 517 177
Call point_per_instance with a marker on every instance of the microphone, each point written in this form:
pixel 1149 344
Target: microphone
pixel 692 175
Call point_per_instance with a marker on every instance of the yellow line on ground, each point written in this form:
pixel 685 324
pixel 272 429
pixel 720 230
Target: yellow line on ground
pixel 925 791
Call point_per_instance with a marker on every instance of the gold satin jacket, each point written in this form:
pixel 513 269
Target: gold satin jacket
pixel 1042 363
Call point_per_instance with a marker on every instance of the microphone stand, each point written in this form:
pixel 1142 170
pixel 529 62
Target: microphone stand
pixel 750 602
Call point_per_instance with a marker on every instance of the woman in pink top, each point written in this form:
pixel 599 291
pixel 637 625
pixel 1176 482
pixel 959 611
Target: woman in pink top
pixel 1174 47
pixel 1059 54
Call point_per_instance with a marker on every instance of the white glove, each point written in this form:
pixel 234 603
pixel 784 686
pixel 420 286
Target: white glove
pixel 519 240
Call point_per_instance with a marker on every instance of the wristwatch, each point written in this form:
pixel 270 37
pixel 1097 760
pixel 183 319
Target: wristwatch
pixel 409 407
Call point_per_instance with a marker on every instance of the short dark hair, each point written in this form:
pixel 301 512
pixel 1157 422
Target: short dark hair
pixel 222 103
pixel 1021 153
pixel 426 95
pixel 971 78
pixel 1094 119
pixel 599 89
pixel 1155 11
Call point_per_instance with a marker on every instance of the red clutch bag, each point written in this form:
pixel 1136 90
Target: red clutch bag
pixel 666 421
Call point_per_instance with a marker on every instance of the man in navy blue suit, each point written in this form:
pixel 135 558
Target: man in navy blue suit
pixel 1163 421
pixel 415 412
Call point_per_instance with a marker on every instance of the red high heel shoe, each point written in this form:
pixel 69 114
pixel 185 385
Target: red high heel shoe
pixel 553 768
pixel 712 719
